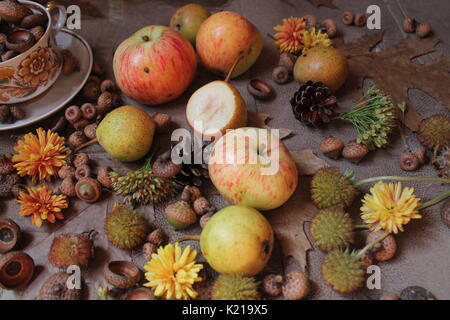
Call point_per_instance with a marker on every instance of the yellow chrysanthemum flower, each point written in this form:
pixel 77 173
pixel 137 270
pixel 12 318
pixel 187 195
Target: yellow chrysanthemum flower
pixel 172 272
pixel 40 156
pixel 42 204
pixel 289 35
pixel 314 38
pixel 389 207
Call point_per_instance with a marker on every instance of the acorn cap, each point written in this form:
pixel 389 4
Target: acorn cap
pixel 12 11
pixel 10 235
pixel 71 249
pixel 140 294
pixel 16 270
pixel 180 215
pixel 385 249
pixel 55 288
pixel 296 286
pixel 355 152
pixel 332 147
pixel 122 274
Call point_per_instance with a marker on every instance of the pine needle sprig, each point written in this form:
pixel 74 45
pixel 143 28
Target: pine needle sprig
pixel 374 118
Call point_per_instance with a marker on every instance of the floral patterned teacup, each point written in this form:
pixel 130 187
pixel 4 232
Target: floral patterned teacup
pixel 34 71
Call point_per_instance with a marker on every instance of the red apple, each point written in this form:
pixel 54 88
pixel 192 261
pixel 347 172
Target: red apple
pixel 225 36
pixel 252 167
pixel 155 65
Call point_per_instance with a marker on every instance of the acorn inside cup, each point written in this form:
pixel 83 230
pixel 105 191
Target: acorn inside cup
pixel 30 58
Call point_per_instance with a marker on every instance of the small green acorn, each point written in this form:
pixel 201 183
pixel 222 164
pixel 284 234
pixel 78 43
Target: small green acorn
pixel 180 215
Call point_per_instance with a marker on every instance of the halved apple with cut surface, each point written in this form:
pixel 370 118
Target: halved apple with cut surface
pixel 215 108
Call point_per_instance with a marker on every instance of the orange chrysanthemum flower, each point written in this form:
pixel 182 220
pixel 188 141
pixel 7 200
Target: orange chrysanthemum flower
pixel 40 155
pixel 290 35
pixel 42 204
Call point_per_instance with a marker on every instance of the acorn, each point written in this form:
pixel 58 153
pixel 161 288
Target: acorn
pixel 163 122
pixel 20 40
pixel 88 190
pixel 17 112
pixel 10 235
pixel 6 165
pixel 122 274
pixel 38 32
pixel 91 91
pixel 311 20
pixel 9 55
pixel 108 85
pixel 83 171
pixel 163 167
pixel 385 249
pixel 5 113
pixel 105 102
pixel 360 19
pixel 347 18
pixel 281 74
pixel 180 215
pixel 73 114
pixel 332 147
pixel 421 154
pixel 190 194
pixel 103 177
pixel 77 138
pixel 287 60
pixel 409 24
pixel 330 27
pixel 296 286
pixel 80 159
pixel 272 284
pixel 156 237
pixel 354 151
pixel 204 220
pixel 55 288
pixel 88 111
pixel 409 162
pixel 33 20
pixel 148 249
pixel 259 89
pixel 81 124
pixel 201 206
pixel 67 187
pixel 90 131
pixel 423 30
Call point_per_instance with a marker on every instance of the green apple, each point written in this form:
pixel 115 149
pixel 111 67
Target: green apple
pixel 188 19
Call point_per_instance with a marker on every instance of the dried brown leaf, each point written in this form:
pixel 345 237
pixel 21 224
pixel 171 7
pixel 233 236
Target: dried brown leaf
pixel 393 71
pixel 307 162
pixel 259 120
pixel 288 222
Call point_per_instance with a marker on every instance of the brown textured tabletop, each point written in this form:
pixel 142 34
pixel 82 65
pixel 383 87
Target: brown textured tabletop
pixel 423 258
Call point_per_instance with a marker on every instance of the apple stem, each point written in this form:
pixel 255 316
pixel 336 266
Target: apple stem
pixel 188 238
pixel 84 145
pixel 227 79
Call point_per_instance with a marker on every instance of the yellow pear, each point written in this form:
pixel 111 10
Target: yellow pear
pixel 126 133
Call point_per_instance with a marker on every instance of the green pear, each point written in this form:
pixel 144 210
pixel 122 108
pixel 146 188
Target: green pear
pixel 126 133
pixel 188 19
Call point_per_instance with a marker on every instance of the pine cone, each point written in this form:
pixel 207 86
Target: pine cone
pixel 192 173
pixel 314 104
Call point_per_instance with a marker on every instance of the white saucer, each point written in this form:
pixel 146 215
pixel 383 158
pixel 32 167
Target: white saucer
pixel 64 89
